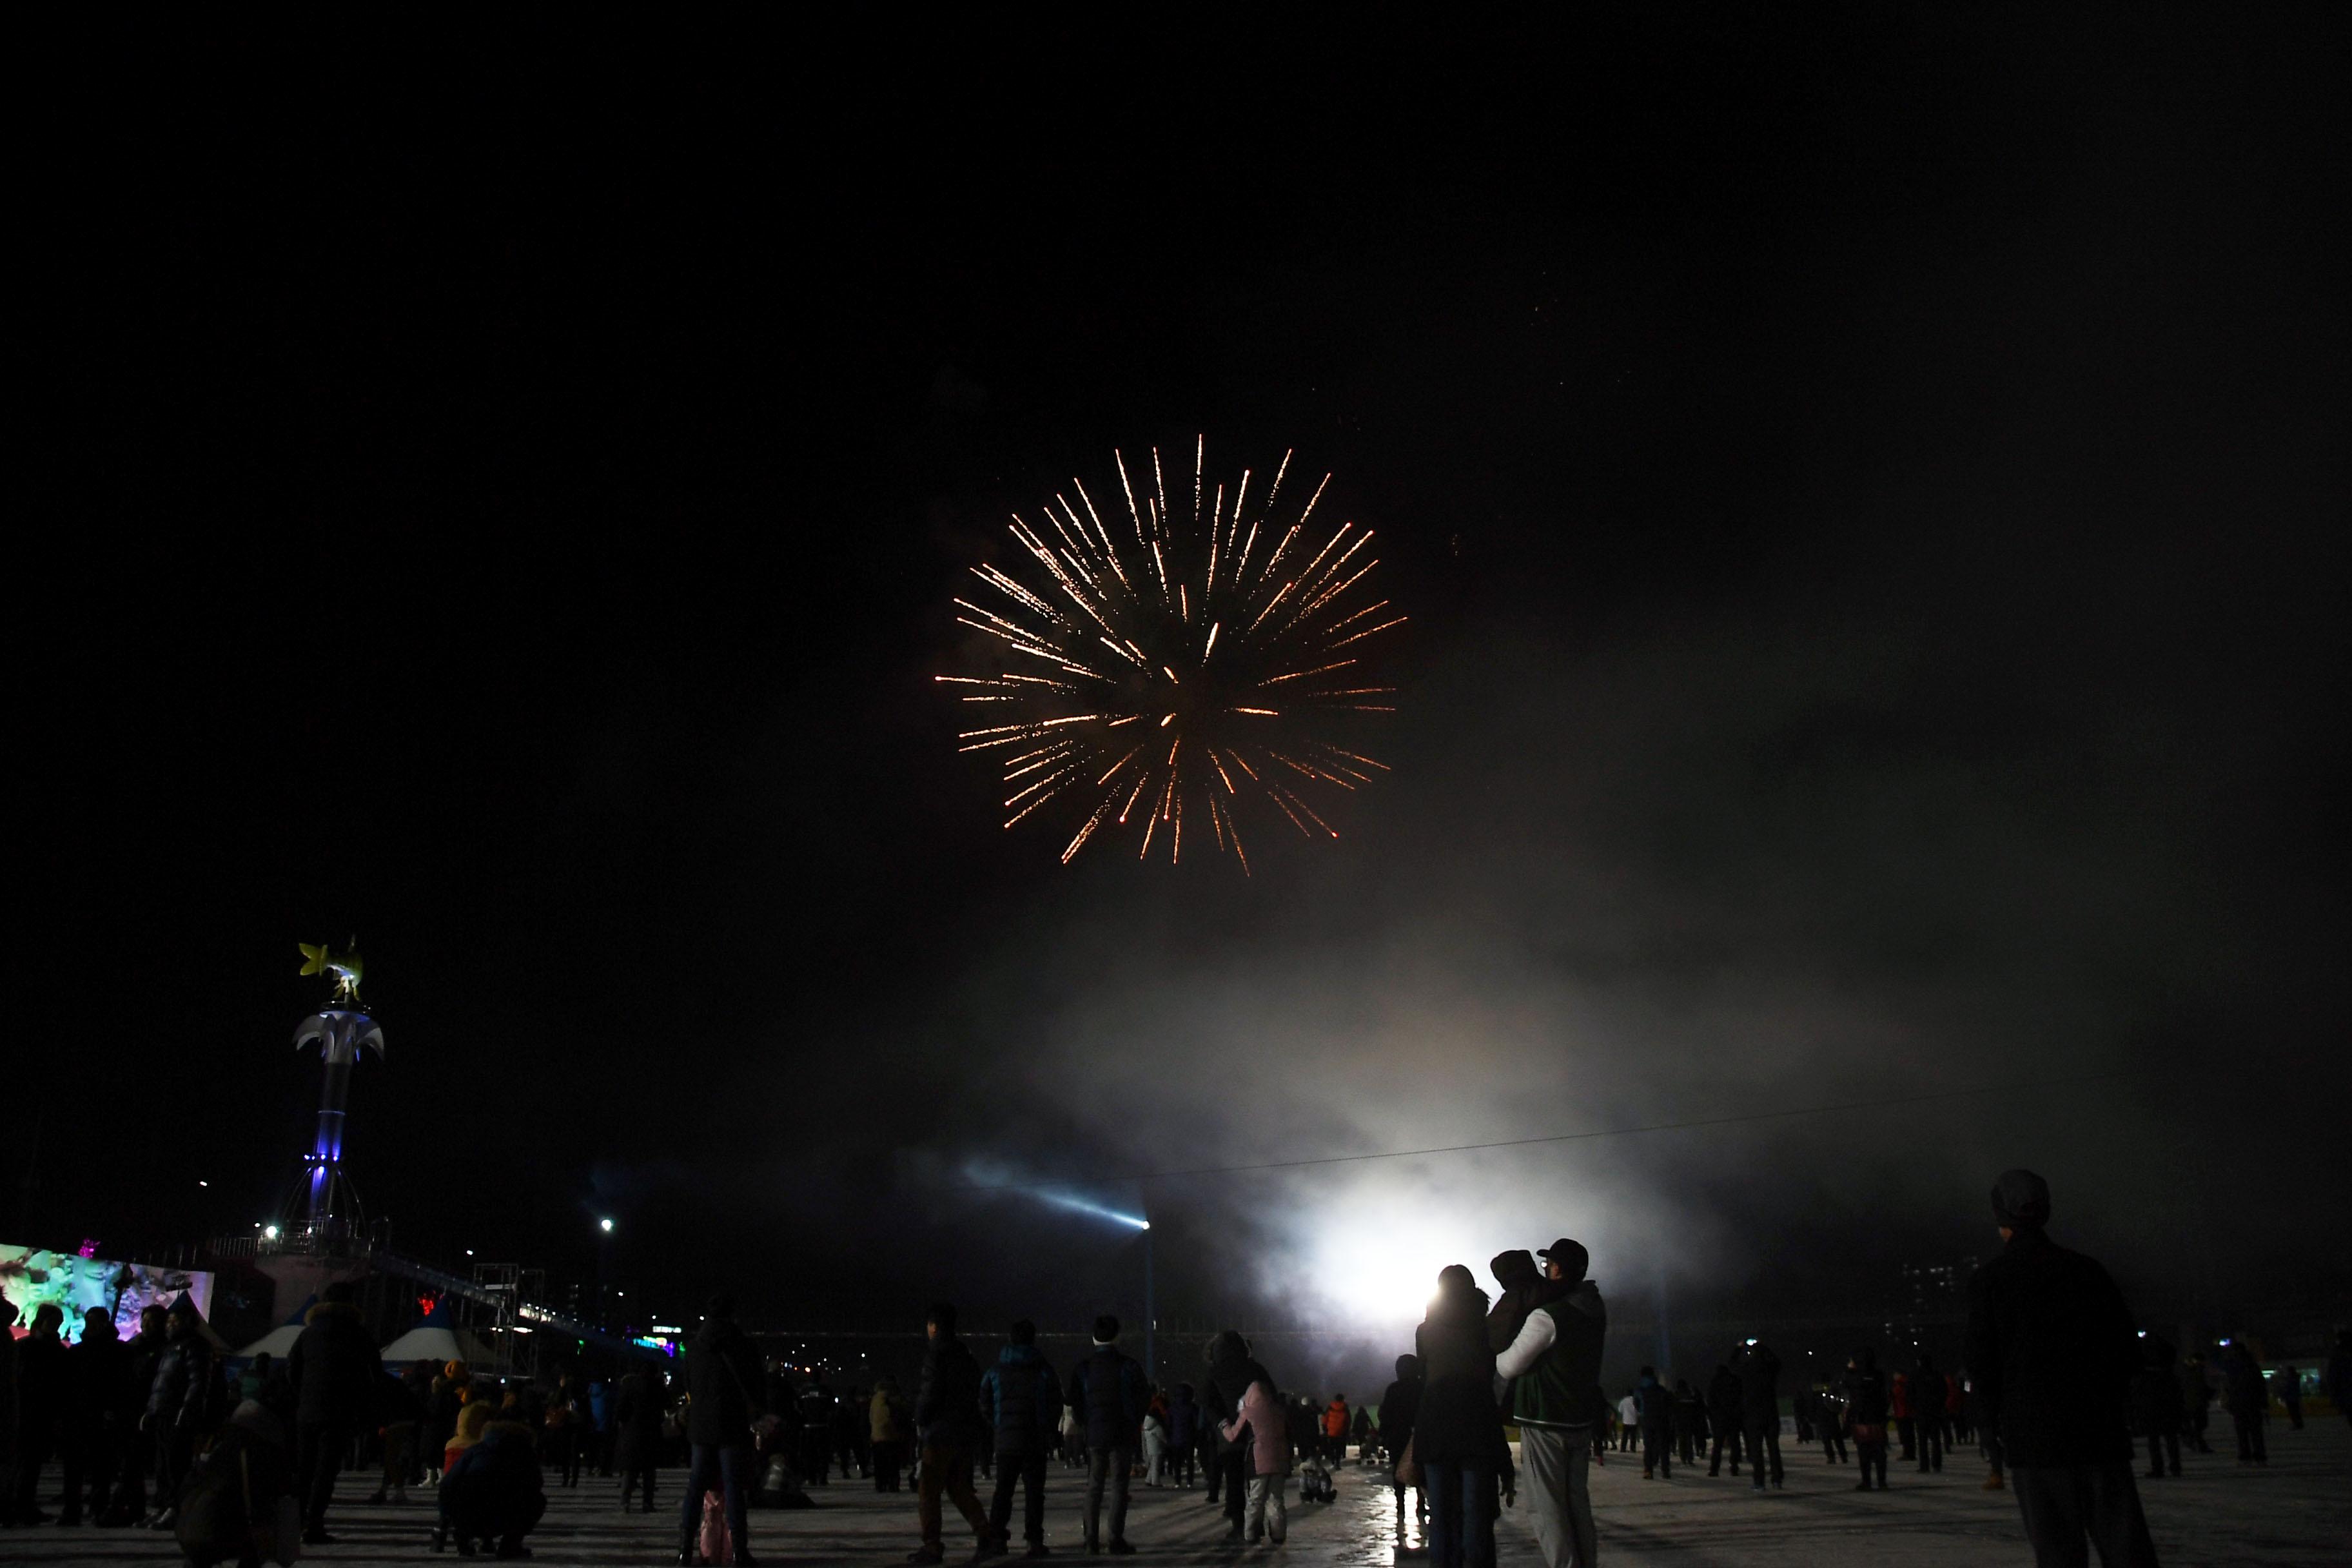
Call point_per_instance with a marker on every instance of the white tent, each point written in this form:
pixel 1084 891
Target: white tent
pixel 275 1344
pixel 431 1341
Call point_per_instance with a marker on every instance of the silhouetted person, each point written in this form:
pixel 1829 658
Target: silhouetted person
pixel 637 1409
pixel 2338 1379
pixel 2248 1401
pixel 44 1382
pixel 1024 1401
pixel 1690 1423
pixel 1400 1408
pixel 726 1390
pixel 2051 1351
pixel 1759 1412
pixel 93 1425
pixel 333 1368
pixel 1723 1416
pixel 1828 1421
pixel 141 1352
pixel 1656 1401
pixel 182 1403
pixel 2156 1404
pixel 1928 1410
pixel 1865 1417
pixel 2290 1393
pixel 1106 1389
pixel 1458 1438
pixel 947 1428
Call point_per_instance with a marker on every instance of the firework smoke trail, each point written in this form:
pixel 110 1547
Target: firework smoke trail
pixel 1254 661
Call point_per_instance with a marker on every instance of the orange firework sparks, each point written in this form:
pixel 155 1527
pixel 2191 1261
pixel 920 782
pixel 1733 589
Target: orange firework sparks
pixel 1194 627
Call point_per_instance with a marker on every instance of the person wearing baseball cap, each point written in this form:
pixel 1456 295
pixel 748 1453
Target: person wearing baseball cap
pixel 1556 1357
pixel 2052 1348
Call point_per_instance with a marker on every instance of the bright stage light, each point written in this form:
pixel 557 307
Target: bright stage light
pixel 269 1233
pixel 605 1226
pixel 1077 1205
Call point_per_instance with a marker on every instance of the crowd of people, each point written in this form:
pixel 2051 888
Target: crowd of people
pixel 239 1459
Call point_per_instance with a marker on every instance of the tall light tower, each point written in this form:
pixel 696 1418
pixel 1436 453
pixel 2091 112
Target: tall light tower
pixel 342 1030
pixel 305 1256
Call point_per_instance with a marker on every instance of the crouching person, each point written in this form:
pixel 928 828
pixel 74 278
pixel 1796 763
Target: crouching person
pixel 238 1504
pixel 491 1492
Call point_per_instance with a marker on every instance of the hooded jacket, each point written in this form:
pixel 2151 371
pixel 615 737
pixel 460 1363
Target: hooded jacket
pixel 334 1367
pixel 1400 1406
pixel 1458 1421
pixel 1023 1400
pixel 2051 1350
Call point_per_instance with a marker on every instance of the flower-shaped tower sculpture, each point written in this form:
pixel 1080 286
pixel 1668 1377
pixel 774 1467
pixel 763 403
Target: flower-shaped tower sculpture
pixel 342 1031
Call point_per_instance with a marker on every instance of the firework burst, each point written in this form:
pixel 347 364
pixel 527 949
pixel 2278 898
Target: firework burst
pixel 1175 664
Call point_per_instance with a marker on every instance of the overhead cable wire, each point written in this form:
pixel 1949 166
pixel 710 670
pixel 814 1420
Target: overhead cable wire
pixel 1546 1138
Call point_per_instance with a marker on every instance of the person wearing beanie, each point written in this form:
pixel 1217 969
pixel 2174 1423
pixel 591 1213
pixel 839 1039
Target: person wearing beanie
pixel 1106 1390
pixel 2051 1348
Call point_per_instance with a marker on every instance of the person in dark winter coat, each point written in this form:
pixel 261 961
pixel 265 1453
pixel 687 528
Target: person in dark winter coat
pixel 1024 1402
pixel 7 1415
pixel 1656 1401
pixel 637 1409
pixel 1928 1411
pixel 2051 1350
pixel 1459 1432
pixel 94 1428
pixel 1690 1423
pixel 1759 1412
pixel 1723 1414
pixel 1183 1434
pixel 334 1368
pixel 1866 1417
pixel 2247 1400
pixel 2156 1404
pixel 141 1352
pixel 183 1402
pixel 2338 1379
pixel 1829 1420
pixel 43 1384
pixel 1400 1408
pixel 1108 1391
pixel 228 1510
pixel 1231 1369
pixel 947 1428
pixel 726 1389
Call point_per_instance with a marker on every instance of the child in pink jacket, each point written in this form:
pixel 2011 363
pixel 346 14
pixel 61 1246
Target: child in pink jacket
pixel 1261 1416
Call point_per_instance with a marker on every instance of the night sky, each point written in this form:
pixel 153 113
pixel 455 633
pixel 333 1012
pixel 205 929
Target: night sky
pixel 1869 485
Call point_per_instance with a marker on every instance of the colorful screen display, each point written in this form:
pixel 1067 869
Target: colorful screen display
pixel 30 1276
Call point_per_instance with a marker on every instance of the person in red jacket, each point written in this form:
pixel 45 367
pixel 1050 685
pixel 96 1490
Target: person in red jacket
pixel 1335 1430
